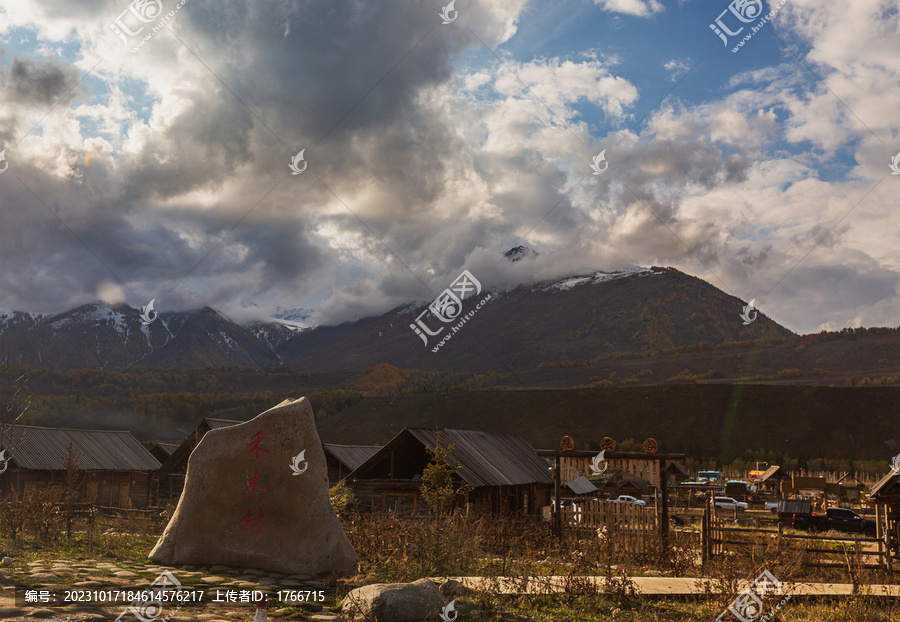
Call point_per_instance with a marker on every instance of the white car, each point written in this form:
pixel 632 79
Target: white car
pixel 727 503
pixel 629 499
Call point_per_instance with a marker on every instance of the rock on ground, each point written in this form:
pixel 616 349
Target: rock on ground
pixel 395 602
pixel 252 500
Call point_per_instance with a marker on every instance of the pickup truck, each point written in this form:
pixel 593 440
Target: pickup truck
pixel 727 503
pixel 629 499
pixel 838 519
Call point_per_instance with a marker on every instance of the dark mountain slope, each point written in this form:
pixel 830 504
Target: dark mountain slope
pixel 701 420
pixel 574 318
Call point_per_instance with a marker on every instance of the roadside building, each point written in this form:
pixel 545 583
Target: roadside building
pixel 676 473
pixel 113 468
pixel 342 459
pixel 582 487
pixel 773 477
pixel 504 472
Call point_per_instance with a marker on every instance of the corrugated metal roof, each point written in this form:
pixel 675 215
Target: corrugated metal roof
pixel 677 466
pixel 351 456
pixel 489 458
pixel 38 448
pixel 581 486
pixel 771 471
pixel 215 424
pixel 884 482
pixel 168 448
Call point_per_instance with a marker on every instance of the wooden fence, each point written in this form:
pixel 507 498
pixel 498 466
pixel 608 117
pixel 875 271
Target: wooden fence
pixel 717 538
pixel 631 528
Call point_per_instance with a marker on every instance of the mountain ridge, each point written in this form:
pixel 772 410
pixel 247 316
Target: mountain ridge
pixel 574 317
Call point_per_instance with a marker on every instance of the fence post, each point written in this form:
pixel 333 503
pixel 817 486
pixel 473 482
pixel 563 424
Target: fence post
pixel 556 493
pixel 704 537
pixel 887 541
pixel 780 532
pixel 664 499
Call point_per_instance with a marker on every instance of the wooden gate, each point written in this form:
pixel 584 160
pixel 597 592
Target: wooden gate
pixel 631 528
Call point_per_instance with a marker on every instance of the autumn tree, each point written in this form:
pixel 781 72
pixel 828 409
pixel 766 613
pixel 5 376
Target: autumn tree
pixel 440 486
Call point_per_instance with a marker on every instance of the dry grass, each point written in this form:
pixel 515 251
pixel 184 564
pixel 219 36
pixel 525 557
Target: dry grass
pixel 519 551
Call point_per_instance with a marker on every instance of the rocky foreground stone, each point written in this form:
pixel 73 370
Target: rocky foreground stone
pixel 256 495
pixel 395 602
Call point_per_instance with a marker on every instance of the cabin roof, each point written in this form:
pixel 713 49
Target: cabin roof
pixel 45 449
pixel 486 458
pixel 351 456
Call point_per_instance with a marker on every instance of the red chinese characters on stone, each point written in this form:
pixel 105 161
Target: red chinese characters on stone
pixel 253 485
pixel 254 445
pixel 255 524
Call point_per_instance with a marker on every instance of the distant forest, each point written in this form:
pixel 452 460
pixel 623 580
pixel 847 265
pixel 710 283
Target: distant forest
pixel 150 398
pixel 166 404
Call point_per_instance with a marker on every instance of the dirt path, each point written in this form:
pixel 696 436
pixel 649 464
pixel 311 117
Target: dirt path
pixel 681 586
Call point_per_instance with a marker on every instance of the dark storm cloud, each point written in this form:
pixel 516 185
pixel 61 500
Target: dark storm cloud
pixel 820 235
pixel 736 169
pixel 303 70
pixel 40 83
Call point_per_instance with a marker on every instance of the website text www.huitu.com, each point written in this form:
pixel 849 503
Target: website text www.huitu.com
pixel 465 318
pixel 757 27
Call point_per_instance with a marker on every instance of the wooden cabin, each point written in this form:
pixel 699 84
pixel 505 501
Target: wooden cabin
pixel 504 472
pixel 773 477
pixel 114 468
pixel 343 459
pixel 174 469
pixel 162 451
pixel 675 473
pixel 885 494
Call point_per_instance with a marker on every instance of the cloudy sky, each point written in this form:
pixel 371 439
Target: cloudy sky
pixel 158 167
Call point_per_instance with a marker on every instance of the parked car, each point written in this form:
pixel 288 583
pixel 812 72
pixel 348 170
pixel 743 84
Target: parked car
pixel 628 499
pixel 838 519
pixel 772 506
pixel 727 503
